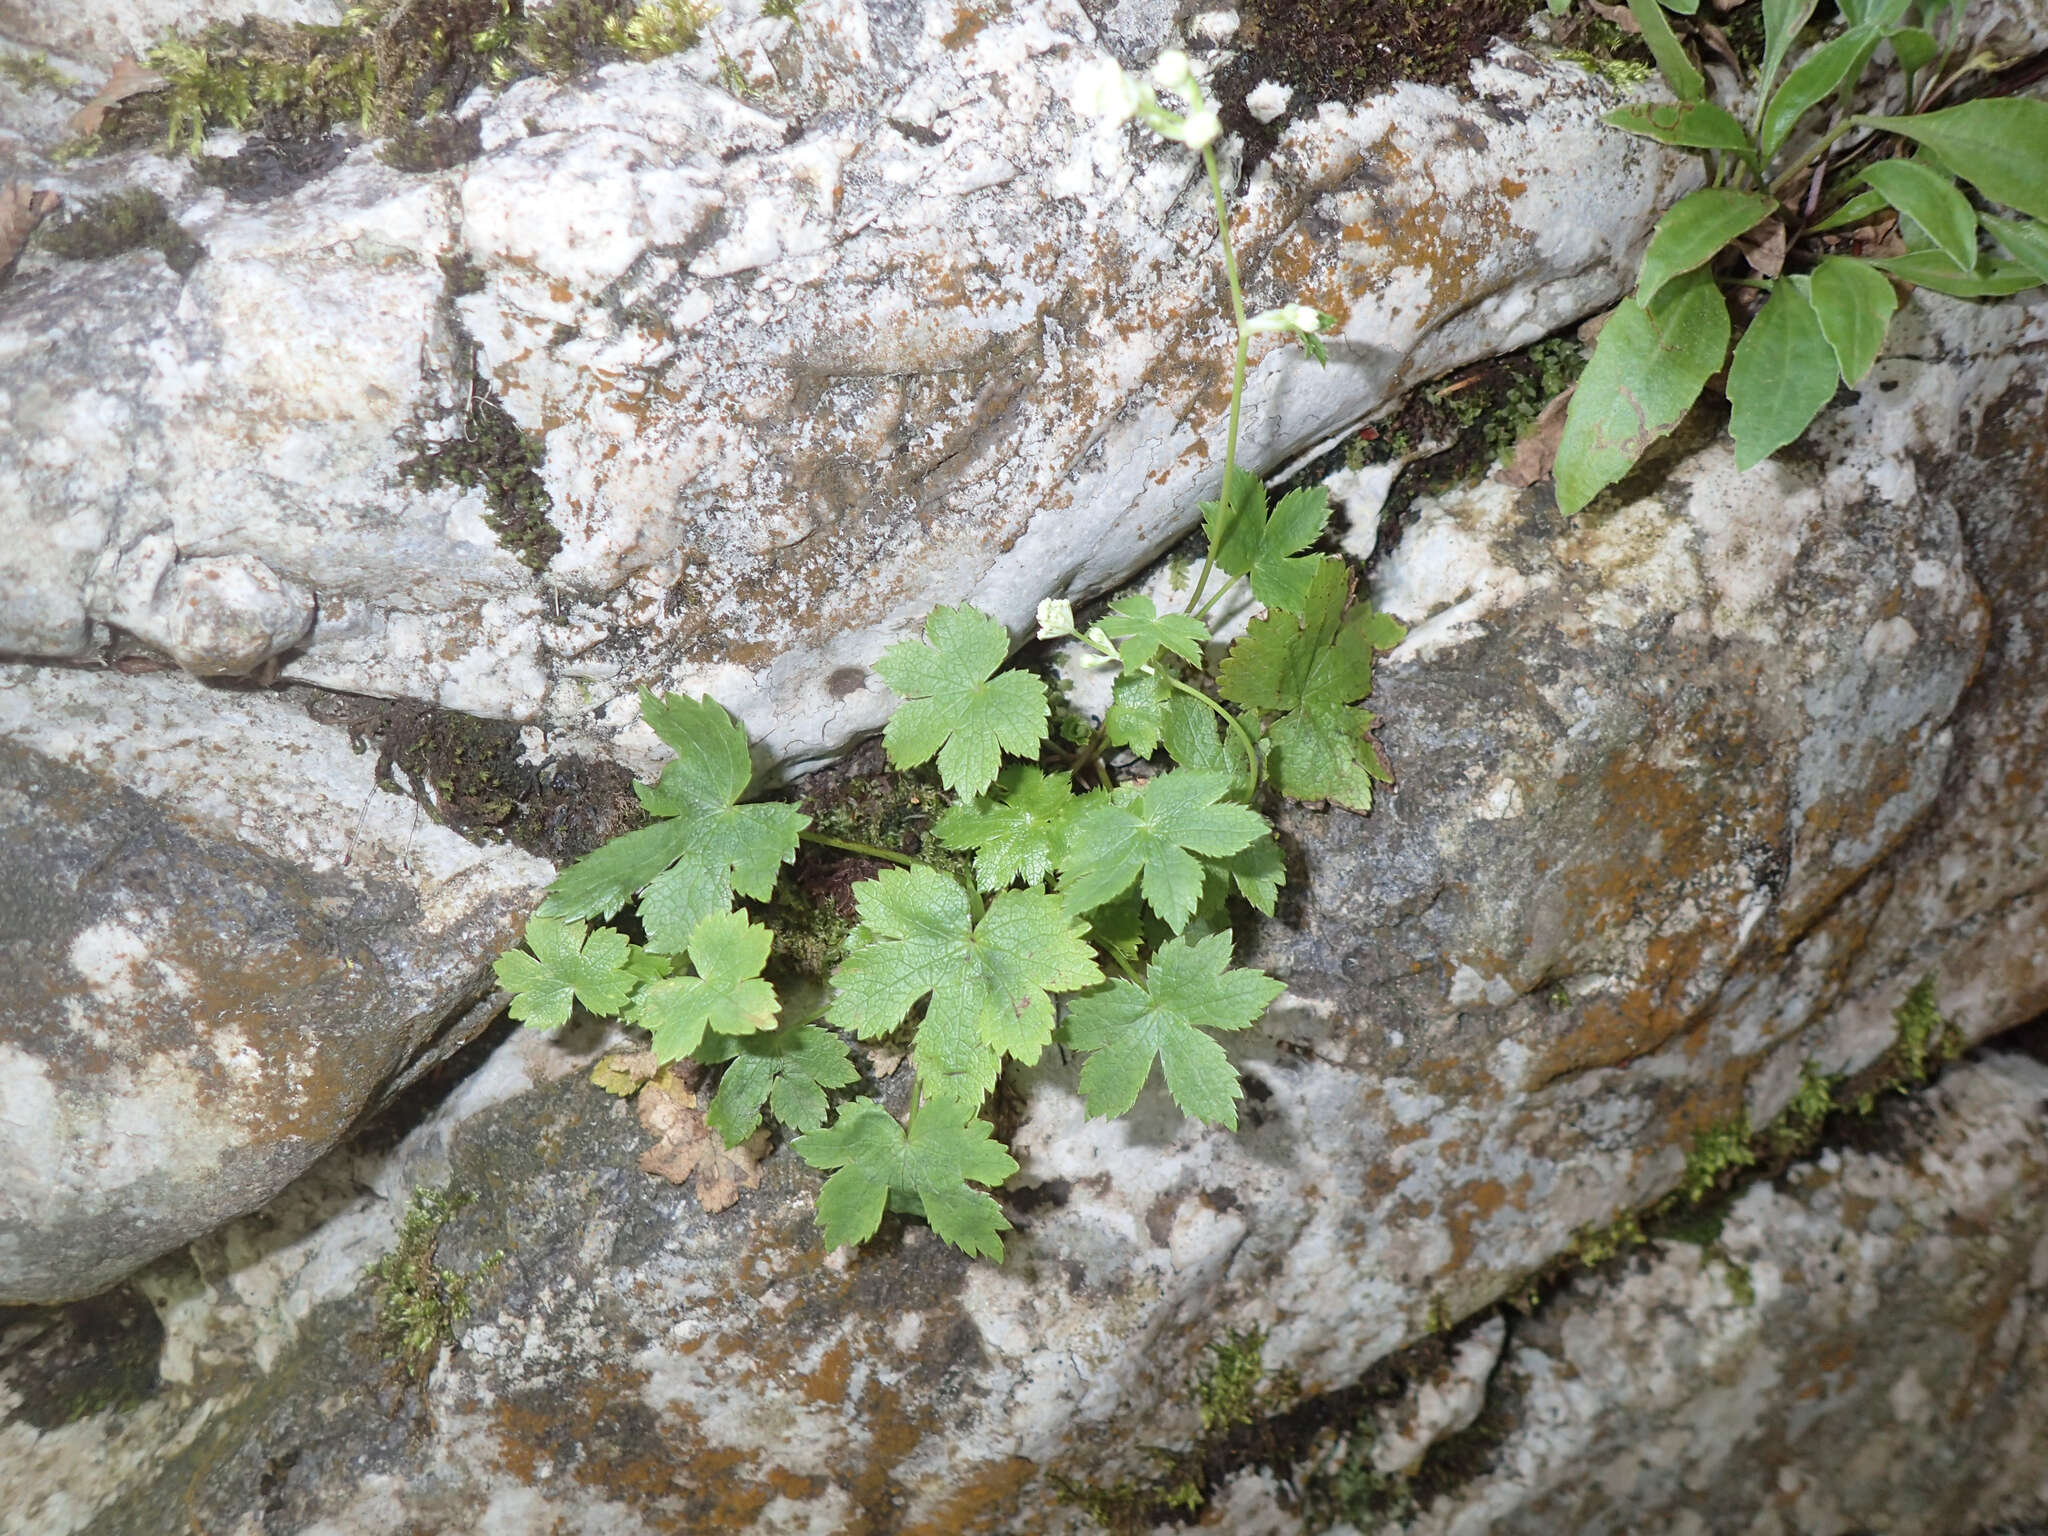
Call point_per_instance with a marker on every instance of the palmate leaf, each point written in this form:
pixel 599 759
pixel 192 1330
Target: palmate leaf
pixel 1311 671
pixel 1245 541
pixel 1145 632
pixel 727 996
pixel 932 1166
pixel 1782 377
pixel 788 1070
pixel 1189 988
pixel 1018 834
pixel 956 706
pixel 1152 836
pixel 1647 369
pixel 1137 712
pixel 567 967
pixel 703 846
pixel 989 982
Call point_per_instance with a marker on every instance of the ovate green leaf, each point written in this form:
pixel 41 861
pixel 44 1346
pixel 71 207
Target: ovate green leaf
pixel 1189 988
pixel 1915 47
pixel 1694 124
pixel 1678 70
pixel 1783 20
pixel 955 706
pixel 1152 835
pixel 1783 374
pixel 931 1166
pixel 787 1070
pixel 1855 211
pixel 1137 712
pixel 1695 230
pixel 1647 369
pixel 1930 200
pixel 566 967
pixel 1816 77
pixel 1999 145
pixel 1854 303
pixel 1931 269
pixel 2027 242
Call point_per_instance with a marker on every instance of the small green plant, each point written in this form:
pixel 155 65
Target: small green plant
pixel 1062 905
pixel 418 1303
pixel 1812 214
pixel 1718 1152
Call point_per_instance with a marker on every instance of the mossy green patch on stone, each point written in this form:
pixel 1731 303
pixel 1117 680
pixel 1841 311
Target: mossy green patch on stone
pixel 33 72
pixel 492 455
pixel 1718 1153
pixel 130 220
pixel 418 1302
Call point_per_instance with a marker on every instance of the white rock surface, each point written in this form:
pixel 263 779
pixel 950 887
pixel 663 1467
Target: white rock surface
pixel 898 329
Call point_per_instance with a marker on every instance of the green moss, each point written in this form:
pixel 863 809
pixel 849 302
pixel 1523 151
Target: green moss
pixel 387 63
pixel 1718 1153
pixel 418 1303
pixel 1925 1039
pixel 1596 1245
pixel 33 72
pixel 136 219
pixel 1227 1393
pixel 491 454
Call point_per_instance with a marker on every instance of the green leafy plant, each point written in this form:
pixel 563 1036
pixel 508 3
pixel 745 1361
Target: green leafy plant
pixel 1813 214
pixel 1084 892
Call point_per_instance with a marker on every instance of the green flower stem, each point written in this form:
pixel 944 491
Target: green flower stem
pixel 868 849
pixel 1251 750
pixel 1244 350
pixel 1217 597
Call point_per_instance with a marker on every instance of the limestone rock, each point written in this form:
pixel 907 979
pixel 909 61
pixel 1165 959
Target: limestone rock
pixel 896 328
pixel 1660 775
pixel 223 944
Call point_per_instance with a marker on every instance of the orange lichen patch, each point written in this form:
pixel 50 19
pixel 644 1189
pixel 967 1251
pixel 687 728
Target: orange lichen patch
pixel 1470 1206
pixel 982 1503
pixel 827 1384
pixel 967 24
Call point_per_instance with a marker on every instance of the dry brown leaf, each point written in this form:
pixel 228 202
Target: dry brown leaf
pixel 1718 40
pixel 22 208
pixel 1589 330
pixel 623 1073
pixel 1535 453
pixel 128 79
pixel 686 1145
pixel 1620 15
pixel 883 1063
pixel 1764 248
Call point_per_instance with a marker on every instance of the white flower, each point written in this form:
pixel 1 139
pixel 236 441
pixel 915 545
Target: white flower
pixel 1055 618
pixel 1304 318
pixel 1172 72
pixel 1104 92
pixel 1198 130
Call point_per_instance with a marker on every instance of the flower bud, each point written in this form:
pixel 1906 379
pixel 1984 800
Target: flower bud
pixel 1055 618
pixel 1104 92
pixel 1172 72
pixel 1199 129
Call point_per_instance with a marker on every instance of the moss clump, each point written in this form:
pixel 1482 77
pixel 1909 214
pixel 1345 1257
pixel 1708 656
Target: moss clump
pixel 474 775
pixel 1718 1153
pixel 385 64
pixel 1596 1245
pixel 491 454
pixel 33 72
pixel 1925 1039
pixel 418 1303
pixel 102 227
pixel 1227 1393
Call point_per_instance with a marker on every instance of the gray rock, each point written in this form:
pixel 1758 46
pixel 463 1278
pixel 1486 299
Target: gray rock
pixel 1659 775
pixel 898 328
pixel 223 944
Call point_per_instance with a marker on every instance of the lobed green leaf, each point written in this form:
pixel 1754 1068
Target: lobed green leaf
pixel 955 706
pixel 933 1165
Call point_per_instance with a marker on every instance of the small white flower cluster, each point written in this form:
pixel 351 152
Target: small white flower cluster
pixel 1305 318
pixel 1104 91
